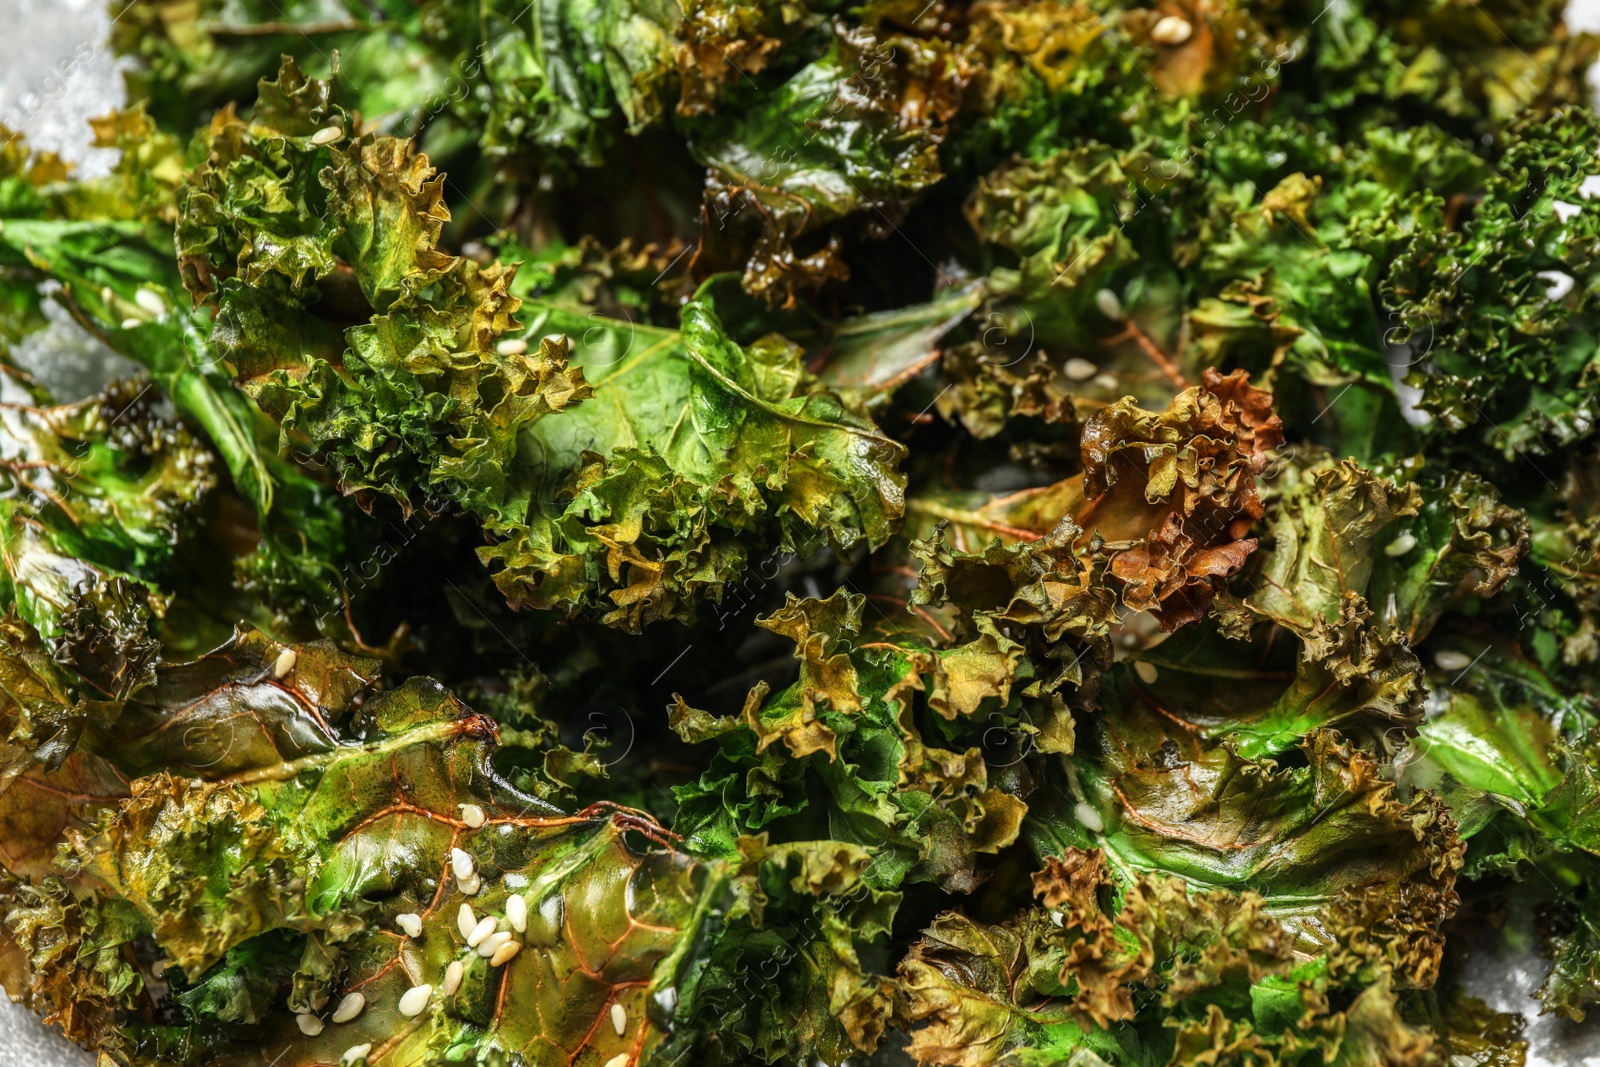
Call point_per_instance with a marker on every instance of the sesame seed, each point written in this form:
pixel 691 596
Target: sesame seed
pixel 480 933
pixel 414 1000
pixel 410 923
pixel 150 301
pixel 1057 918
pixel 355 1053
pixel 1106 381
pixel 1401 545
pixel 309 1025
pixel 349 1007
pixel 473 815
pixel 517 912
pixel 1080 370
pixel 619 1019
pixel 285 663
pixel 452 978
pixel 504 953
pixel 465 920
pixel 1171 30
pixel 106 294
pixel 327 135
pixel 130 323
pixel 471 885
pixel 1452 661
pixel 1110 305
pixel 1146 671
pixel 493 943
pixel 619 1060
pixel 1090 818
pixel 461 864
pixel 512 346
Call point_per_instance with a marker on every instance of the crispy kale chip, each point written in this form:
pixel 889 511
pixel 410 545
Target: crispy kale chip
pixel 635 480
pixel 636 534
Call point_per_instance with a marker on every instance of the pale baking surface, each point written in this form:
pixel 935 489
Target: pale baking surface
pixel 39 35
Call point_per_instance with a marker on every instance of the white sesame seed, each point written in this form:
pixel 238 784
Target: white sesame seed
pixel 309 1025
pixel 106 294
pixel 452 978
pixel 349 1007
pixel 619 1019
pixel 355 1053
pixel 327 135
pixel 465 920
pixel 1110 305
pixel 1171 30
pixel 130 323
pixel 1090 818
pixel 473 815
pixel 619 1060
pixel 481 932
pixel 410 923
pixel 504 953
pixel 512 346
pixel 1080 370
pixel 517 912
pixel 1146 671
pixel 285 663
pixel 150 301
pixel 1452 661
pixel 414 1000
pixel 461 864
pixel 494 943
pixel 1401 545
pixel 1057 918
pixel 1106 381
pixel 471 884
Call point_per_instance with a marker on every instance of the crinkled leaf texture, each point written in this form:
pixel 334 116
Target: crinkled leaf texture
pixel 867 720
pixel 96 496
pixel 688 457
pixel 1172 495
pixel 1329 844
pixel 1058 984
pixel 298 803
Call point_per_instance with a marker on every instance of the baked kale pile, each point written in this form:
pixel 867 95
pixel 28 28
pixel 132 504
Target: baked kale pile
pixel 640 533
